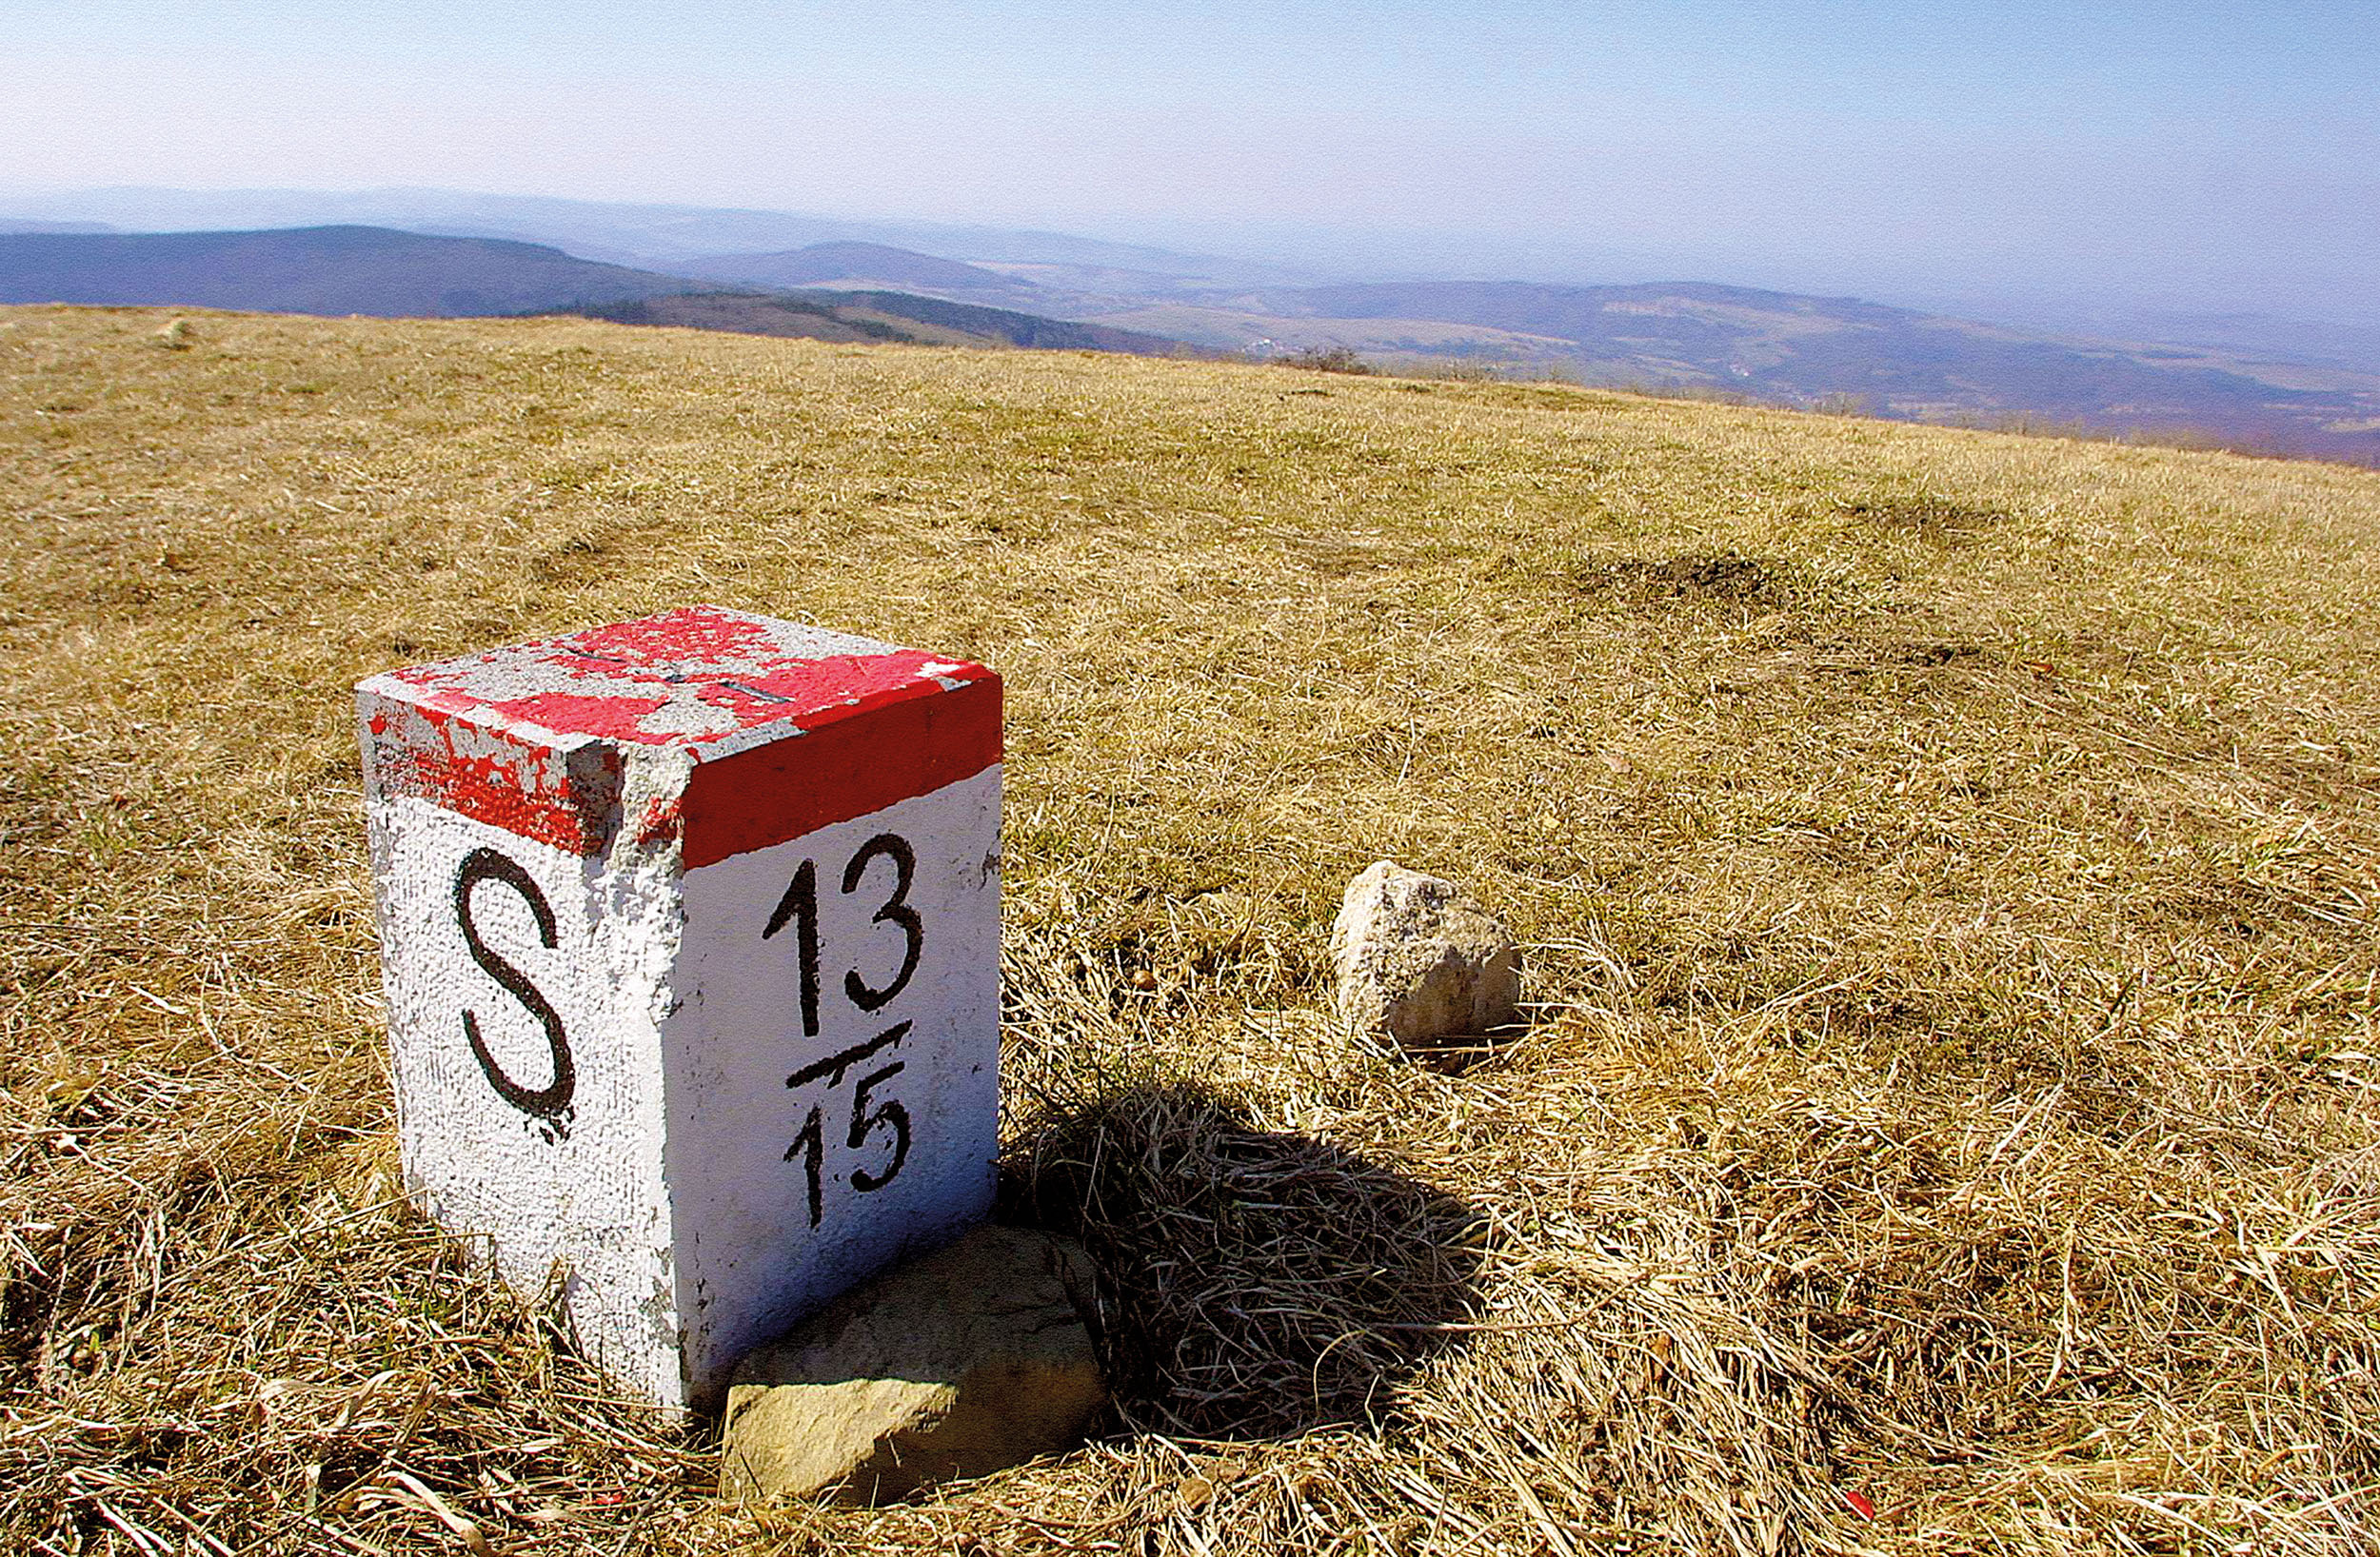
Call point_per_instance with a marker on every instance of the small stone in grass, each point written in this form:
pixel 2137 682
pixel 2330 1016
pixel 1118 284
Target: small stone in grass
pixel 1418 960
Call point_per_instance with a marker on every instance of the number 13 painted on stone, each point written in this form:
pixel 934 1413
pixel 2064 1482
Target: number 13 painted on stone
pixel 690 934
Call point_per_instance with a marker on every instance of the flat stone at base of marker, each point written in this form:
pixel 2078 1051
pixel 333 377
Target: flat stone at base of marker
pixel 965 1362
pixel 1420 960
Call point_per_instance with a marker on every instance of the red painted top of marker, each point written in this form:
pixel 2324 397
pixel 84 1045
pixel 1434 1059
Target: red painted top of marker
pixel 787 728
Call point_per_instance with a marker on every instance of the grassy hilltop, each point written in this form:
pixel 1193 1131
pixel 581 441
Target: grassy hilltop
pixel 1948 863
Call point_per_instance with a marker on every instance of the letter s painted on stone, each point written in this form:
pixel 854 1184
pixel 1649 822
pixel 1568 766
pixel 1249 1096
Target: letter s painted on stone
pixel 551 1102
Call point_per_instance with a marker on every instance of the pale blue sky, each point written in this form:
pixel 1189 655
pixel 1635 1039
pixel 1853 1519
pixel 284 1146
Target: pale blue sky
pixel 2179 151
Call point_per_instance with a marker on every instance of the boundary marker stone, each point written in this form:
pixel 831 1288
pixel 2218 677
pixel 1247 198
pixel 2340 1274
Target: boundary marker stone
pixel 690 932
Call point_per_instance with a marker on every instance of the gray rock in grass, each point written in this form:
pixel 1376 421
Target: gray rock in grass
pixel 1420 961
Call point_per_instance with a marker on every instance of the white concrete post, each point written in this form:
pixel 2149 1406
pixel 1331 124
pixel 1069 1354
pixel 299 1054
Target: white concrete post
pixel 690 929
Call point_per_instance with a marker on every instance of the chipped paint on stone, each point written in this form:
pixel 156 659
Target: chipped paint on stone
pixel 601 861
pixel 535 739
pixel 718 674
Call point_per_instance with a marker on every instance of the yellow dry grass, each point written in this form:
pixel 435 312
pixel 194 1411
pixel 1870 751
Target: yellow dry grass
pixel 1947 858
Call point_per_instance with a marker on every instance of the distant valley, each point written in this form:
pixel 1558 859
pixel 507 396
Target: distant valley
pixel 1834 353
pixel 1775 347
pixel 819 315
pixel 1824 353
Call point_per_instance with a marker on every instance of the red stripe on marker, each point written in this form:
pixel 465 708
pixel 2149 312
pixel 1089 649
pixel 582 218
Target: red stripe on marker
pixel 915 743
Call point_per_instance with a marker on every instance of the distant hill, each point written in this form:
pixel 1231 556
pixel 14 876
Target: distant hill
pixel 323 270
pixel 862 267
pixel 381 271
pixel 655 236
pixel 877 316
pixel 18 223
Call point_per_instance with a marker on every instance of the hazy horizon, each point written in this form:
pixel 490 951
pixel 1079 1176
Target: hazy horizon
pixel 2175 157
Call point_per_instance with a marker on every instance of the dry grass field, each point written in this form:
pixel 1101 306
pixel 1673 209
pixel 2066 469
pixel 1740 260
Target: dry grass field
pixel 1947 862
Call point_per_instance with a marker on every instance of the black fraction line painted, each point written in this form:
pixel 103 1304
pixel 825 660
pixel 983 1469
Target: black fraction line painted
pixel 553 1100
pixel 833 1066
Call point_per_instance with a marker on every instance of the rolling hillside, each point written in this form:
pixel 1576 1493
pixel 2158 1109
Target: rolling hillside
pixel 377 271
pixel 1946 862
pixel 863 267
pixel 324 270
pixel 819 315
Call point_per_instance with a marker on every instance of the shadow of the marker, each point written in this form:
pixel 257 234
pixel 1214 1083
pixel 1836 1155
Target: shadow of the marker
pixel 1256 1284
